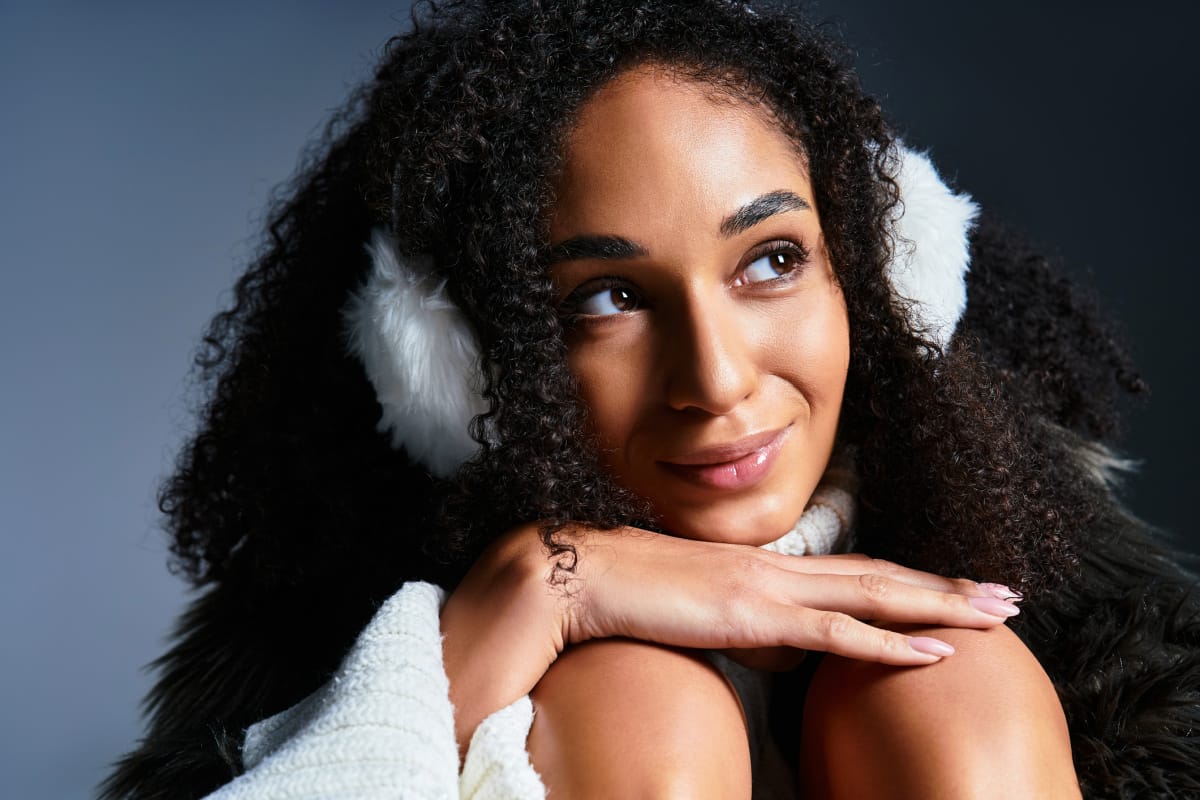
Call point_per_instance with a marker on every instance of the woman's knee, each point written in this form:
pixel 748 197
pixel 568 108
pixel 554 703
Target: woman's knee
pixel 622 718
pixel 985 722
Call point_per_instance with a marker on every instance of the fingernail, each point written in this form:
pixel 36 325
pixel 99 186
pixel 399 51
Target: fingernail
pixel 994 606
pixel 930 646
pixel 1001 591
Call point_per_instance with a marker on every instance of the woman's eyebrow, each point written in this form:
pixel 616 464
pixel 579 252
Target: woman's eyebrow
pixel 591 246
pixel 608 247
pixel 758 209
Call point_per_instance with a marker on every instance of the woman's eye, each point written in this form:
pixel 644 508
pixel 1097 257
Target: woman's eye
pixel 607 302
pixel 771 266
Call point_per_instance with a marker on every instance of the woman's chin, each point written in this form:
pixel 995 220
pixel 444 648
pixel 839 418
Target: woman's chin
pixel 760 532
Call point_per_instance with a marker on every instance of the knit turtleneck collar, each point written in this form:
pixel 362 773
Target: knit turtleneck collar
pixel 826 526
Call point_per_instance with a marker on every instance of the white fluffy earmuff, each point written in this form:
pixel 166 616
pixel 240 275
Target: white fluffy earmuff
pixel 930 243
pixel 421 357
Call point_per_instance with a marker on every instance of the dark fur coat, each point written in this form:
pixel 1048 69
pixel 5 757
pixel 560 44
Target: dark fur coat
pixel 1121 643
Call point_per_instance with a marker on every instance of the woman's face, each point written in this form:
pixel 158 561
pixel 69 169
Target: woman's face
pixel 708 334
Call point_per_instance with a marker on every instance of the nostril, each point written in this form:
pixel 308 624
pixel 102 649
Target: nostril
pixel 712 381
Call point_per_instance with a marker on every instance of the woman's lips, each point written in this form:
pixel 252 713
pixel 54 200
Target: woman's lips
pixel 738 465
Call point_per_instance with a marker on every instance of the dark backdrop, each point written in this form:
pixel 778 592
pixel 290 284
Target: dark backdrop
pixel 140 140
pixel 1074 121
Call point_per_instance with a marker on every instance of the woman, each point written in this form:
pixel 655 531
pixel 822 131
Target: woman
pixel 686 263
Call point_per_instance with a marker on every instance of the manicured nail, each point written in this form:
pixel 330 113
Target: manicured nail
pixel 994 606
pixel 930 646
pixel 1001 591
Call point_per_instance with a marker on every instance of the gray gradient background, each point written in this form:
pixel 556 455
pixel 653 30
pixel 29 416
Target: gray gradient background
pixel 140 141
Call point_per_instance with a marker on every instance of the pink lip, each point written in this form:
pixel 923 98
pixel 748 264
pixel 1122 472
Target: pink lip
pixel 739 465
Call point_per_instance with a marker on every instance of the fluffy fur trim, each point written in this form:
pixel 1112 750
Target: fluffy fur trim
pixel 420 355
pixel 1103 465
pixel 931 247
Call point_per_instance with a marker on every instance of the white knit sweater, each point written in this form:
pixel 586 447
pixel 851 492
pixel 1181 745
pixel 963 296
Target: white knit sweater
pixel 383 727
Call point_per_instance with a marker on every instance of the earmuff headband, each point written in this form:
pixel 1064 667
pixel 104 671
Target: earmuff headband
pixel 421 357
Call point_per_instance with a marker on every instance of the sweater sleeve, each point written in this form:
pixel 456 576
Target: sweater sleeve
pixel 383 727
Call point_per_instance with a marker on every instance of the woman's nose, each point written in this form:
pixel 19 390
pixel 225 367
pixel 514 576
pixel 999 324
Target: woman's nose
pixel 708 360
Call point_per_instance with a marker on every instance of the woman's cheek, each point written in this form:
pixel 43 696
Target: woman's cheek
pixel 613 385
pixel 810 346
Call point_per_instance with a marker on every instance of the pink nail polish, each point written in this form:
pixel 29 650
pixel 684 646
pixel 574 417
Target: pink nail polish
pixel 999 590
pixel 930 646
pixel 994 606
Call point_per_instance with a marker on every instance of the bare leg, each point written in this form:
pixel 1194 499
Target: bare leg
pixel 629 719
pixel 985 722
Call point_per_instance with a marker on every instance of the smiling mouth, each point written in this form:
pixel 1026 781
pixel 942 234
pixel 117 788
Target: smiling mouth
pixel 738 465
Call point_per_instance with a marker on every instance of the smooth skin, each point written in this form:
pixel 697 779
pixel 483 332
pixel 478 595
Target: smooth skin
pixel 984 723
pixel 693 744
pixel 723 319
pixel 705 319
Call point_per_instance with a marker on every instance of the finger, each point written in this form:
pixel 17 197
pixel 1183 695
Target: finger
pixel 843 635
pixel 873 596
pixel 859 564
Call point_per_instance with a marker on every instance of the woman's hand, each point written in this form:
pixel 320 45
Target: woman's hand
pixel 507 622
pixel 710 595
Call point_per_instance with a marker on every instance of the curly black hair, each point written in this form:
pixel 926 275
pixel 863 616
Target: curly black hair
pixel 454 146
pixel 292 510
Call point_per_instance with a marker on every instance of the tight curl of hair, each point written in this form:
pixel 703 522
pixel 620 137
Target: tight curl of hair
pixel 454 146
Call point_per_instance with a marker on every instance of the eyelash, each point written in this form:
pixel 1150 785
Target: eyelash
pixel 798 252
pixel 569 308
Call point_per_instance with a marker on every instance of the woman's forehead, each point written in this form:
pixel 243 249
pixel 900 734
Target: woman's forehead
pixel 639 95
pixel 652 144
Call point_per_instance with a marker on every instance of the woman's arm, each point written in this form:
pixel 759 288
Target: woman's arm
pixel 507 621
pixel 502 628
